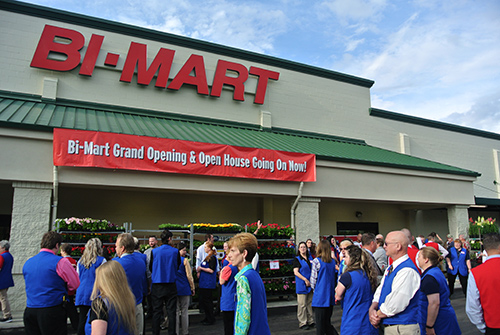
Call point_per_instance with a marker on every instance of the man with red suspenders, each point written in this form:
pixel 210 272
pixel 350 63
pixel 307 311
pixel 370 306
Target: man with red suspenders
pixel 483 297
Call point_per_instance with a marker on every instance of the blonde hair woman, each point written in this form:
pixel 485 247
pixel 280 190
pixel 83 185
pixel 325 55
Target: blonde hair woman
pixel 86 268
pixel 355 288
pixel 323 279
pixel 113 303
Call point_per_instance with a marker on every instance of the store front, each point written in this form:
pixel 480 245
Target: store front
pixel 296 135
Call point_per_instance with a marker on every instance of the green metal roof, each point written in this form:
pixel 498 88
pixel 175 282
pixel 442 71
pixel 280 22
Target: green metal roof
pixel 432 123
pixel 32 113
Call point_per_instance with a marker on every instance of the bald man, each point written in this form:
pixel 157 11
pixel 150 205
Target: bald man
pixel 395 302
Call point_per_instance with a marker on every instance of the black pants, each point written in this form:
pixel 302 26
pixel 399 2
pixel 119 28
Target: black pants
pixel 492 331
pixel 323 316
pixel 207 303
pixel 228 317
pixel 72 312
pixel 82 318
pixel 164 294
pixel 463 282
pixel 45 321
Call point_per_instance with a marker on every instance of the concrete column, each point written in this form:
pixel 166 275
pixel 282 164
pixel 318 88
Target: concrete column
pixel 458 220
pixel 307 220
pixel 30 220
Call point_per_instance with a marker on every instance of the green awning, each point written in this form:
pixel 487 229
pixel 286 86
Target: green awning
pixel 32 113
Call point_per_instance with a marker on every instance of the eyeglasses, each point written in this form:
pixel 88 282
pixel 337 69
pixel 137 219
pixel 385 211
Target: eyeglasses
pixel 387 243
pixel 342 249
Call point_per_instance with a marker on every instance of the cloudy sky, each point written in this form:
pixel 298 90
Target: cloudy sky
pixel 435 59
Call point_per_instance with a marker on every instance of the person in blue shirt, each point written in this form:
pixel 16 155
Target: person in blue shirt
pixel 437 316
pixel 134 265
pixel 355 288
pixel 228 292
pixel 395 303
pixel 164 264
pixel 323 280
pixel 91 259
pixel 458 263
pixel 208 283
pixel 302 270
pixel 251 307
pixel 113 303
pixel 48 278
pixel 6 280
pixel 185 289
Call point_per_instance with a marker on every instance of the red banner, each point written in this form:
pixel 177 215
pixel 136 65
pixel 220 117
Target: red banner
pixel 130 152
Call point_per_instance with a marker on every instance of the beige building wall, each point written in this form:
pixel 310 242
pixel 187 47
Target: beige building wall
pixel 296 101
pixel 470 152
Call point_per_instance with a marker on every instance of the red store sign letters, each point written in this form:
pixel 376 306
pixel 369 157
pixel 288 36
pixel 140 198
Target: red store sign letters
pixel 136 60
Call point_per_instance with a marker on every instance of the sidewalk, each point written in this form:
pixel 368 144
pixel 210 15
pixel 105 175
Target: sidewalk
pixel 282 316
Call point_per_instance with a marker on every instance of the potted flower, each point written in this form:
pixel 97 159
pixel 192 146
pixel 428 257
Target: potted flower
pixel 171 226
pixel 271 231
pixel 226 228
pixel 482 226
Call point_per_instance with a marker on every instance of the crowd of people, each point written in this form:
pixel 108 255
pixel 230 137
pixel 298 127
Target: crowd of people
pixel 391 285
pixel 395 285
pixel 106 296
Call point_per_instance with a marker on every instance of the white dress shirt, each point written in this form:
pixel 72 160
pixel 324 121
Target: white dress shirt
pixel 404 286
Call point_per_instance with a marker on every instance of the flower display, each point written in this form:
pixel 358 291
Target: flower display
pixel 86 224
pixel 271 230
pixel 285 269
pixel 475 245
pixel 279 286
pixel 171 226
pixel 482 226
pixel 144 247
pixel 69 237
pixel 77 251
pixel 273 250
pixel 216 228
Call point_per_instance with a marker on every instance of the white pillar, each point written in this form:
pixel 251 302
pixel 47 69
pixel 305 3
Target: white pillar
pixel 458 220
pixel 307 220
pixel 30 220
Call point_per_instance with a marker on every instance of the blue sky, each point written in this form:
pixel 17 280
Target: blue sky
pixel 435 59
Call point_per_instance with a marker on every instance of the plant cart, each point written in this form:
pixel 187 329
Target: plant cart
pixel 477 229
pixel 276 253
pixel 77 232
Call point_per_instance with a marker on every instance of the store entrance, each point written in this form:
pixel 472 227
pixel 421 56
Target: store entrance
pixel 5 221
pixel 354 228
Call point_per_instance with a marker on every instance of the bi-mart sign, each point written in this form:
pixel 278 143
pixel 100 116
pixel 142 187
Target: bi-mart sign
pixel 69 43
pixel 119 151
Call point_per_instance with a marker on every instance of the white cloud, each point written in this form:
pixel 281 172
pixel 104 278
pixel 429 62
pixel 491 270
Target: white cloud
pixel 346 10
pixel 484 114
pixel 433 65
pixel 241 25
